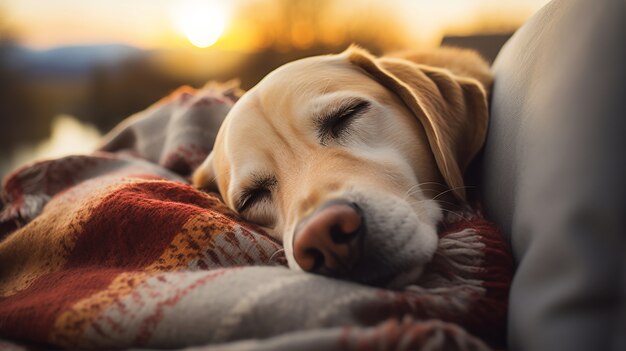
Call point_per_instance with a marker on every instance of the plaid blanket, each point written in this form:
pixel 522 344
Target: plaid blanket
pixel 116 250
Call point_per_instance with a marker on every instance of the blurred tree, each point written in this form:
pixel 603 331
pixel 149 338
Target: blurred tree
pixel 116 92
pixel 19 121
pixel 288 30
pixel 287 25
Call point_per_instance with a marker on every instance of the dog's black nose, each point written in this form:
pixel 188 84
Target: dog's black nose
pixel 329 241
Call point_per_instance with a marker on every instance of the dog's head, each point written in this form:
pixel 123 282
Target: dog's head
pixel 340 157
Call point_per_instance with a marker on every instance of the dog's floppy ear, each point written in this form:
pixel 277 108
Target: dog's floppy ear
pixel 203 177
pixel 452 109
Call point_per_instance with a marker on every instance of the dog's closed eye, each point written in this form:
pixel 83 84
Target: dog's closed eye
pixel 334 124
pixel 259 191
pixel 252 196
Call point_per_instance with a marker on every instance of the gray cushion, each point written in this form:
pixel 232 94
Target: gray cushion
pixel 554 175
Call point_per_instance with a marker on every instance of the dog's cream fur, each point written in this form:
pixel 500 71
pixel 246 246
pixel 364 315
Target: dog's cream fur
pixel 425 120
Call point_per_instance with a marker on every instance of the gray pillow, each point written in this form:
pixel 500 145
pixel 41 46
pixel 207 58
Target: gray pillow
pixel 554 175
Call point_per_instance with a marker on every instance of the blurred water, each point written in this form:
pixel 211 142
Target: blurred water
pixel 69 136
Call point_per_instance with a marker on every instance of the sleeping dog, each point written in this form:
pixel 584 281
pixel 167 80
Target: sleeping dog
pixel 351 159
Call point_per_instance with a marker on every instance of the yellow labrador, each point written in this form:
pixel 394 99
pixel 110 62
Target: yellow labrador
pixel 340 156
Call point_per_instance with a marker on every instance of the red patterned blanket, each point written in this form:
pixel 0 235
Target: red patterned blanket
pixel 117 250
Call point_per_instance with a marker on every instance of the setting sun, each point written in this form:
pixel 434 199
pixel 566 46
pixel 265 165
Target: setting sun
pixel 202 22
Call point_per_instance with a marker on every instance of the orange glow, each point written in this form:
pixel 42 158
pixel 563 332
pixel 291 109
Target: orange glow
pixel 302 34
pixel 248 26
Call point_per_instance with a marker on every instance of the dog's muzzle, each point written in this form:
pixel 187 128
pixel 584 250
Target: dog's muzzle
pixel 330 240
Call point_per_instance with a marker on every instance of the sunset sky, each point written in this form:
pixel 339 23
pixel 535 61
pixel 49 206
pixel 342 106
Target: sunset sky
pixel 202 40
pixel 176 24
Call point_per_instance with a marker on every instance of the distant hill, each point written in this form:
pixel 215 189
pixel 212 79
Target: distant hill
pixel 67 61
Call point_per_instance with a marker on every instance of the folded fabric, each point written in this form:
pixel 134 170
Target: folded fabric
pixel 112 251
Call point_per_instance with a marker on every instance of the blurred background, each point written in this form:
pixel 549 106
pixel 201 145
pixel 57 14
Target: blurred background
pixel 70 70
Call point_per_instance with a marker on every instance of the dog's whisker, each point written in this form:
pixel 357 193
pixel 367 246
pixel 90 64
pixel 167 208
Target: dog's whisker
pixel 453 189
pixel 412 190
pixel 426 183
pixel 277 252
pixel 428 201
pixel 450 204
pixel 418 187
pixel 425 203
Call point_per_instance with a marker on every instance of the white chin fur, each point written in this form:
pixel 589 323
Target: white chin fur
pixel 288 246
